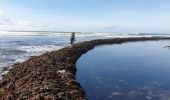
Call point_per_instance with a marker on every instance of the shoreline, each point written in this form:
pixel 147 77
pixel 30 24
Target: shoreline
pixel 51 76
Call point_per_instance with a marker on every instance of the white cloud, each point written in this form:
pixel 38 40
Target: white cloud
pixel 110 27
pixel 4 20
pixel 23 23
pixel 11 24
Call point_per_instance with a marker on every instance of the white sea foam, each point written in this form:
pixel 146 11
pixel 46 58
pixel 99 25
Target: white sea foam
pixel 36 33
pixel 81 34
pixel 29 51
pixel 8 33
pixel 32 33
pixel 36 50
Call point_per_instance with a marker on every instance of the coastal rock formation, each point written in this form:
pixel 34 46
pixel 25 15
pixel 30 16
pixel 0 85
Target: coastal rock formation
pixel 51 76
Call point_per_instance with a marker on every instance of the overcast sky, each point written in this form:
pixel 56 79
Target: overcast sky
pixel 86 15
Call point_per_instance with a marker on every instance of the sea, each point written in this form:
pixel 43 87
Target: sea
pixel 18 46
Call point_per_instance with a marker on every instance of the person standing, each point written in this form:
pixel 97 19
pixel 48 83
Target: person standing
pixel 72 38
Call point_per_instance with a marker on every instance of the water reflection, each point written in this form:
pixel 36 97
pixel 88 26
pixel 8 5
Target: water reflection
pixel 130 71
pixel 167 47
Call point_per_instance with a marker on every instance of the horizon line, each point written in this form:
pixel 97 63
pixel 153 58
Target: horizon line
pixel 142 33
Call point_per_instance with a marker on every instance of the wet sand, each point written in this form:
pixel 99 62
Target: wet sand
pixel 51 76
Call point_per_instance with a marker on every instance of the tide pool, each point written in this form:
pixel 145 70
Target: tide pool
pixel 128 71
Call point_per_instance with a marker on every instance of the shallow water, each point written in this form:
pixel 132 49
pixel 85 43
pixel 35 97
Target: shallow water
pixel 129 71
pixel 19 46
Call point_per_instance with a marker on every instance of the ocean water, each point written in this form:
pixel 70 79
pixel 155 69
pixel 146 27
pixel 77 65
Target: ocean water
pixel 19 46
pixel 128 71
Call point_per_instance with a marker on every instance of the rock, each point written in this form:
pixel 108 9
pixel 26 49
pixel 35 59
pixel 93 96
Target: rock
pixel 61 71
pixel 60 94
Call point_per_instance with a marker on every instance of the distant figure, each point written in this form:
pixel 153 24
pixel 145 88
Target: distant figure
pixel 72 38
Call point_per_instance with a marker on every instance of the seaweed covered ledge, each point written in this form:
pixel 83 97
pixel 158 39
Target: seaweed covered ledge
pixel 51 76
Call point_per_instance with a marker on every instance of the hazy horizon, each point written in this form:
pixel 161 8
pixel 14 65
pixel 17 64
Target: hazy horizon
pixel 81 32
pixel 127 16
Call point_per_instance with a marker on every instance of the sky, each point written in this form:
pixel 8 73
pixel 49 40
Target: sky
pixel 131 16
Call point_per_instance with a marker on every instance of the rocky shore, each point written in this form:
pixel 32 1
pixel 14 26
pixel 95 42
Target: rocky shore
pixel 51 76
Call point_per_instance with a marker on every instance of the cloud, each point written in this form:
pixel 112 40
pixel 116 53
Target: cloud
pixel 7 23
pixel 110 27
pixel 23 23
pixel 4 20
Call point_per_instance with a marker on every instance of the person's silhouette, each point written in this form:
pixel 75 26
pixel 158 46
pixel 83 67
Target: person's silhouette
pixel 72 38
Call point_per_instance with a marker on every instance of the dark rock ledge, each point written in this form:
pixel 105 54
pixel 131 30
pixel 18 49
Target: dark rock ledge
pixel 51 76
